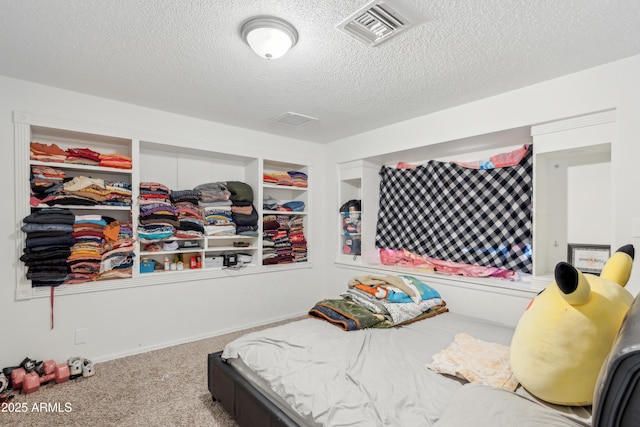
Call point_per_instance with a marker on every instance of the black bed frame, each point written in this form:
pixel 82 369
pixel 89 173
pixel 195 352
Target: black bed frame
pixel 240 399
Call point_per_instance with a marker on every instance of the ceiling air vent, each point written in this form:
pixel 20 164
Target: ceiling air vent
pixel 292 119
pixel 374 23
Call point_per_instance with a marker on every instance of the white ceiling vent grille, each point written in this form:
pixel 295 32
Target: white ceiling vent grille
pixel 375 23
pixel 293 119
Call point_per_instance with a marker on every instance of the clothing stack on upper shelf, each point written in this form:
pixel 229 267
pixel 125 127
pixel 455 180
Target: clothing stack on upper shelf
pixel 83 156
pixel 51 186
pixel 290 178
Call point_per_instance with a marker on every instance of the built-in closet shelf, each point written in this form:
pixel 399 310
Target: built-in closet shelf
pixel 178 165
pixel 191 270
pixel 284 187
pixel 233 237
pixel 80 167
pixel 283 213
pixel 88 207
pixel 230 248
pixel 177 251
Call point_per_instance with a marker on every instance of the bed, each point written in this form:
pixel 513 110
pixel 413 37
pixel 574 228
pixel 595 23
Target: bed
pixel 311 373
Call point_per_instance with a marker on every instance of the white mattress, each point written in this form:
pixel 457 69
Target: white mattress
pixel 368 377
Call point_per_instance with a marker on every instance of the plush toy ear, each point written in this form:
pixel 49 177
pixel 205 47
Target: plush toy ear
pixel 573 286
pixel 618 267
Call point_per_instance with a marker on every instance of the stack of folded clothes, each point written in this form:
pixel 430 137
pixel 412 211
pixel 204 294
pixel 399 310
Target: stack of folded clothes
pixel 299 179
pixel 243 212
pixel 297 239
pixel 158 218
pixel 86 253
pixel 270 203
pixel 45 181
pixel 283 239
pixel 117 252
pixel 278 178
pixel 218 221
pixel 269 234
pixel 191 221
pixel 49 239
pixel 83 156
pixel 117 193
pixel 214 199
pixel 284 250
pixel 47 152
pixel 114 160
pixel 49 186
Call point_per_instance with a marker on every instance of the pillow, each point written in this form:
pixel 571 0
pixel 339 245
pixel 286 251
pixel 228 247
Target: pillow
pixel 480 405
pixel 476 361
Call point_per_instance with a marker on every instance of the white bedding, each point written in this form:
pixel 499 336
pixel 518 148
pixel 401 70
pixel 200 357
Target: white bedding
pixel 369 377
pixel 366 378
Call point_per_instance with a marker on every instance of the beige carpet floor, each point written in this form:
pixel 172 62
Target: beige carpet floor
pixel 166 387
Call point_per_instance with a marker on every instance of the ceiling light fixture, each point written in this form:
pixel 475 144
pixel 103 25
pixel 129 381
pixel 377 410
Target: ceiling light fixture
pixel 268 36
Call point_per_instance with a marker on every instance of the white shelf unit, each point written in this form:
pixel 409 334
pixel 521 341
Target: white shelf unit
pixel 208 247
pixel 287 193
pixel 48 131
pixel 172 163
pixel 359 180
pixel 180 168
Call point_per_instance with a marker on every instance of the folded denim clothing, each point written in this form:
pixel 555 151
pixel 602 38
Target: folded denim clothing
pixel 294 205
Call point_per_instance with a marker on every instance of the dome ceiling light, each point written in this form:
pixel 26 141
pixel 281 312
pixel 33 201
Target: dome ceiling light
pixel 268 36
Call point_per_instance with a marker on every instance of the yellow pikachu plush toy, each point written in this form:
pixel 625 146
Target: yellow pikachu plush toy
pixel 566 332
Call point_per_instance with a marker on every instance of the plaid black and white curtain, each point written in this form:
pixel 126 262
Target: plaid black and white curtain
pixel 454 213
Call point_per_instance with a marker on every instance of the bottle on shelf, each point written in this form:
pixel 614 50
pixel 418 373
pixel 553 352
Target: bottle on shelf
pixel 167 264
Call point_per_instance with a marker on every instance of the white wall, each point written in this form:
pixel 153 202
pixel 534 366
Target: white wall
pixel 126 321
pixel 586 184
pixel 611 86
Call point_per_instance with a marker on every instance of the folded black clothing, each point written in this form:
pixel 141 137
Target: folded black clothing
pixel 46 262
pixel 69 199
pixel 51 216
pixel 53 254
pixel 47 274
pixel 243 219
pixel 37 234
pixel 47 248
pixel 64 240
pixel 192 196
pixel 243 228
pixel 190 226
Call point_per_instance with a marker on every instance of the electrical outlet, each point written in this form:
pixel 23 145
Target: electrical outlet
pixel 82 336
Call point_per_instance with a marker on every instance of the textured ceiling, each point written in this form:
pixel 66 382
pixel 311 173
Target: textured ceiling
pixel 187 57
